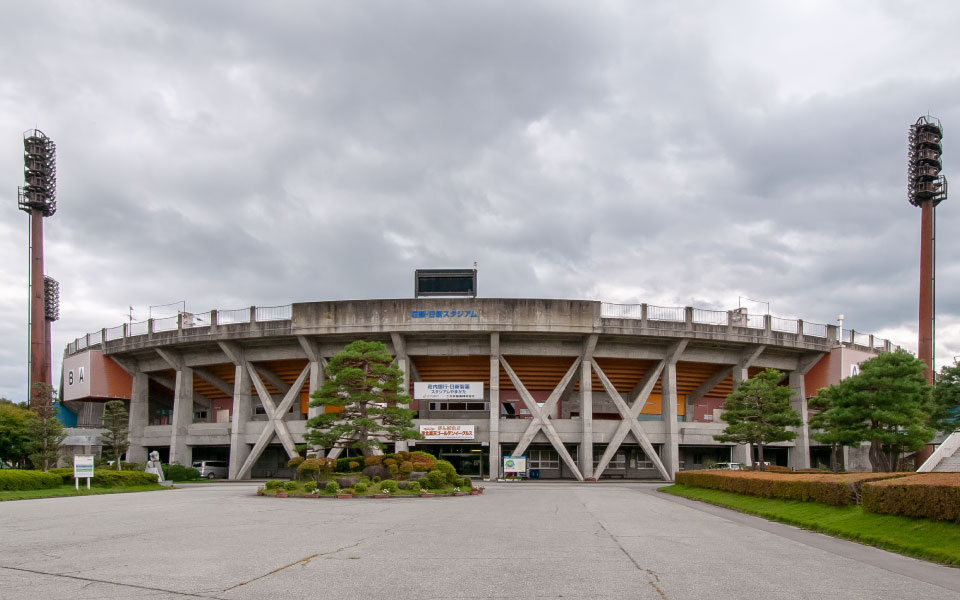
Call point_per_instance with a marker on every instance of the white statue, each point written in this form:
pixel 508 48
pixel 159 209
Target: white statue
pixel 153 465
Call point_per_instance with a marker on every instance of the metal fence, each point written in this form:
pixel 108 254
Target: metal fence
pixel 861 339
pixel 666 313
pixel 137 328
pixel 756 321
pixel 273 313
pixel 95 338
pixel 710 317
pixel 620 311
pixel 165 324
pixel 114 333
pixel 815 329
pixel 784 325
pixel 239 315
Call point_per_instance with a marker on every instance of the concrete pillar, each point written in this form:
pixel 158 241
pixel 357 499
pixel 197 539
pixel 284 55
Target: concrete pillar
pixel 315 383
pixel 495 458
pixel 586 418
pixel 182 417
pixel 798 456
pixel 139 416
pixel 670 454
pixel 742 453
pixel 242 407
pixel 404 363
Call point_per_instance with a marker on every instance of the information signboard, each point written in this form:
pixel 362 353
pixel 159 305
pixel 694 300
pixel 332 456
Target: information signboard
pixel 514 464
pixel 82 468
pixel 443 390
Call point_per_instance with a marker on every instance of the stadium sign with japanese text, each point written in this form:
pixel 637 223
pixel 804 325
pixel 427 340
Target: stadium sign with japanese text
pixel 447 432
pixel 434 390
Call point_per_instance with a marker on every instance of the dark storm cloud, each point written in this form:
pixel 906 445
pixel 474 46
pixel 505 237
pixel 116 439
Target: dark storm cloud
pixel 229 154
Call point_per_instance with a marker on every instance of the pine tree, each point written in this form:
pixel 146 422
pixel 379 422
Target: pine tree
pixel 363 387
pixel 759 412
pixel 945 412
pixel 116 421
pixel 888 404
pixel 46 432
pixel 828 431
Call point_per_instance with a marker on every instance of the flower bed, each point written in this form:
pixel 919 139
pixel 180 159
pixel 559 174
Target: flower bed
pixel 836 490
pixel 934 496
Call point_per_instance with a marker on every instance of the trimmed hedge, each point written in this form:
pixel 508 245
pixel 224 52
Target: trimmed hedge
pixel 836 490
pixel 108 477
pixel 934 496
pixel 14 479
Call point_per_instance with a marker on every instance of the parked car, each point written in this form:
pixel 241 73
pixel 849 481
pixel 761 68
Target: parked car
pixel 211 469
pixel 729 466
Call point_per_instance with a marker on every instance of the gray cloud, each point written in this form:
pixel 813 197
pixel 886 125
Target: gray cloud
pixel 232 154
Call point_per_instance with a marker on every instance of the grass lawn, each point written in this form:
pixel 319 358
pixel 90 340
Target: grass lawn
pixel 68 490
pixel 938 541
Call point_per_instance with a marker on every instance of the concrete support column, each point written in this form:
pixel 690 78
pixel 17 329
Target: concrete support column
pixel 139 416
pixel 315 383
pixel 403 362
pixel 799 455
pixel 586 418
pixel 495 458
pixel 182 417
pixel 670 454
pixel 242 408
pixel 742 453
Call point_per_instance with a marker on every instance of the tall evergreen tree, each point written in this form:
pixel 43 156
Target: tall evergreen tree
pixel 829 432
pixel 888 404
pixel 945 412
pixel 46 431
pixel 115 440
pixel 364 390
pixel 758 412
pixel 14 432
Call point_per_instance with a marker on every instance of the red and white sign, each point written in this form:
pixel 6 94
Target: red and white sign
pixel 447 432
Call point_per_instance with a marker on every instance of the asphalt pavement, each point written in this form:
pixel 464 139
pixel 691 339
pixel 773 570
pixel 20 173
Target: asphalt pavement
pixel 525 540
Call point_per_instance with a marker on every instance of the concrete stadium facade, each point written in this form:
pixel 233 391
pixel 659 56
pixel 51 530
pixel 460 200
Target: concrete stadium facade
pixel 583 389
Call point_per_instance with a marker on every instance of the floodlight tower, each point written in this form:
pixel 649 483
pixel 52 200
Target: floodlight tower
pixel 926 188
pixel 38 198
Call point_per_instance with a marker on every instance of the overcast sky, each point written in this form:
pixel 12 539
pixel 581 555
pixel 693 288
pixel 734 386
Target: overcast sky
pixel 686 153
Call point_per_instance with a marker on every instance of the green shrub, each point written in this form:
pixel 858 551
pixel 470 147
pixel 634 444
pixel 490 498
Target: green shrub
pixel 414 486
pixel 466 484
pixel 65 472
pixel 448 470
pixel 934 496
pixel 291 486
pixel 347 464
pixel 11 479
pixel 177 472
pixel 273 484
pixel 434 480
pixel 295 462
pixel 389 486
pixel 360 487
pixel 109 478
pixel 836 490
pixel 376 479
pixel 372 460
pixel 331 487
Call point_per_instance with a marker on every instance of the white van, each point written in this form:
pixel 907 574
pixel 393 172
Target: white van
pixel 211 469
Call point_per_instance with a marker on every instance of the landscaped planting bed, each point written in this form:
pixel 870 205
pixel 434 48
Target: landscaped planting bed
pixel 836 490
pixel 934 496
pixel 11 479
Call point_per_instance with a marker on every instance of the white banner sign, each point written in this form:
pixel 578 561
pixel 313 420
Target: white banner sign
pixel 82 467
pixel 434 390
pixel 514 464
pixel 447 432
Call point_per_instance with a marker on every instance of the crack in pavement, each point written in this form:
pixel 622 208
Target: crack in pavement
pixel 91 580
pixel 303 561
pixel 653 578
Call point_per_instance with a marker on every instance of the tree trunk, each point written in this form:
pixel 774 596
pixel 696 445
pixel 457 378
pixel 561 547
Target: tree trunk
pixel 760 456
pixel 834 460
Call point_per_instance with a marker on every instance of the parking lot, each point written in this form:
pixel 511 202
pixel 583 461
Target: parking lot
pixel 524 540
